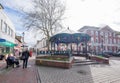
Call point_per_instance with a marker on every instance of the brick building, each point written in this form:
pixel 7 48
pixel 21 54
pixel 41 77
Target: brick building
pixel 103 39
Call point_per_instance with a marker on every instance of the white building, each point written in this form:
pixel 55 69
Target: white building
pixel 41 44
pixel 7 32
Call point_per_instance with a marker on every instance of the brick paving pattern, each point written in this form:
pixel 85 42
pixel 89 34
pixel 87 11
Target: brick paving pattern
pixel 95 73
pixel 2 64
pixel 20 75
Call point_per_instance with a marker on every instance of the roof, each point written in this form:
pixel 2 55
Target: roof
pixel 104 27
pixel 117 33
pixel 89 27
pixel 107 27
pixel 1 7
pixel 18 38
pixel 69 31
pixel 70 38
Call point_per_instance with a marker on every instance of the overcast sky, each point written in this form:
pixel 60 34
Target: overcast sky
pixel 93 13
pixel 78 13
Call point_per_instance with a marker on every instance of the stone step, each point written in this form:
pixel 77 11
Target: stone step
pixel 85 63
pixel 82 61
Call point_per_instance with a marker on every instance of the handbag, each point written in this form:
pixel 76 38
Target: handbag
pixel 22 57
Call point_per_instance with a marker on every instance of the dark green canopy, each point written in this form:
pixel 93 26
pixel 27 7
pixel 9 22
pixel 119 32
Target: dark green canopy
pixel 6 43
pixel 70 38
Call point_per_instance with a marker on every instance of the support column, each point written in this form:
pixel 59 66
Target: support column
pixel 77 48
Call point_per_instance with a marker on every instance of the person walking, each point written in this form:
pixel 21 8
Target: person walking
pixel 25 56
pixel 30 53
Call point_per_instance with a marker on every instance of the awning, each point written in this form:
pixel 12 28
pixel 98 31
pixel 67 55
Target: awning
pixel 6 43
pixel 2 40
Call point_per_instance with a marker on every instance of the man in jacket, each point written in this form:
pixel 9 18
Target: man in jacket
pixel 25 56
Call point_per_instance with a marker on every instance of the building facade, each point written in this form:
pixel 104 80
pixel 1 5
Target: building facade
pixel 41 45
pixel 103 39
pixel 7 32
pixel 18 42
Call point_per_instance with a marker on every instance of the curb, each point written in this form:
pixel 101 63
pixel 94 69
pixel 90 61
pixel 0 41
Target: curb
pixel 38 76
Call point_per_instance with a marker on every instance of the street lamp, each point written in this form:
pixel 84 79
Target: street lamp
pixel 78 39
pixel 102 44
pixel 89 45
pixel 92 45
pixel 23 38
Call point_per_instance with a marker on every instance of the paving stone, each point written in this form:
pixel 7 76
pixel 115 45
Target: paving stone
pixel 20 75
pixel 82 74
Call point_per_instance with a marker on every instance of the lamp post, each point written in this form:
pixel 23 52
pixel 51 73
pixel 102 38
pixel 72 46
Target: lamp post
pixel 89 47
pixel 92 45
pixel 78 39
pixel 102 44
pixel 23 39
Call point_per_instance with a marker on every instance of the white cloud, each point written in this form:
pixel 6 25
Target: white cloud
pixel 92 12
pixel 18 4
pixel 13 11
pixel 32 36
pixel 78 13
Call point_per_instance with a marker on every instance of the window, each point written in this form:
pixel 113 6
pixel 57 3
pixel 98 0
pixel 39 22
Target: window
pixel 1 24
pixel 113 34
pixel 102 33
pixel 110 41
pixel 92 32
pixel 96 39
pixel 110 34
pixel 4 27
pixel 114 41
pixel 106 40
pixel 11 32
pixel 89 31
pixel 92 40
pixel 106 34
pixel 96 33
pixel 8 30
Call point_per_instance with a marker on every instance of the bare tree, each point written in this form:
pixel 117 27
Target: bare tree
pixel 46 16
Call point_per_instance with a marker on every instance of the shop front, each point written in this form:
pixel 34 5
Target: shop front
pixel 6 46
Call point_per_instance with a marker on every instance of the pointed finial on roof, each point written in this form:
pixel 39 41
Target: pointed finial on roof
pixel 68 28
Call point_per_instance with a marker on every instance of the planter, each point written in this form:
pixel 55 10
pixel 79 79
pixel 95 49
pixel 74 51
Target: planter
pixel 100 59
pixel 62 62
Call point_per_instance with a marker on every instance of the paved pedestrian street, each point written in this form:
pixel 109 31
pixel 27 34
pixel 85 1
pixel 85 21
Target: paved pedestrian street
pixel 95 73
pixel 79 73
pixel 20 75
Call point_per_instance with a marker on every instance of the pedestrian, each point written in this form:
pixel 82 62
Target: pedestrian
pixel 11 60
pixel 16 54
pixel 25 56
pixel 30 53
